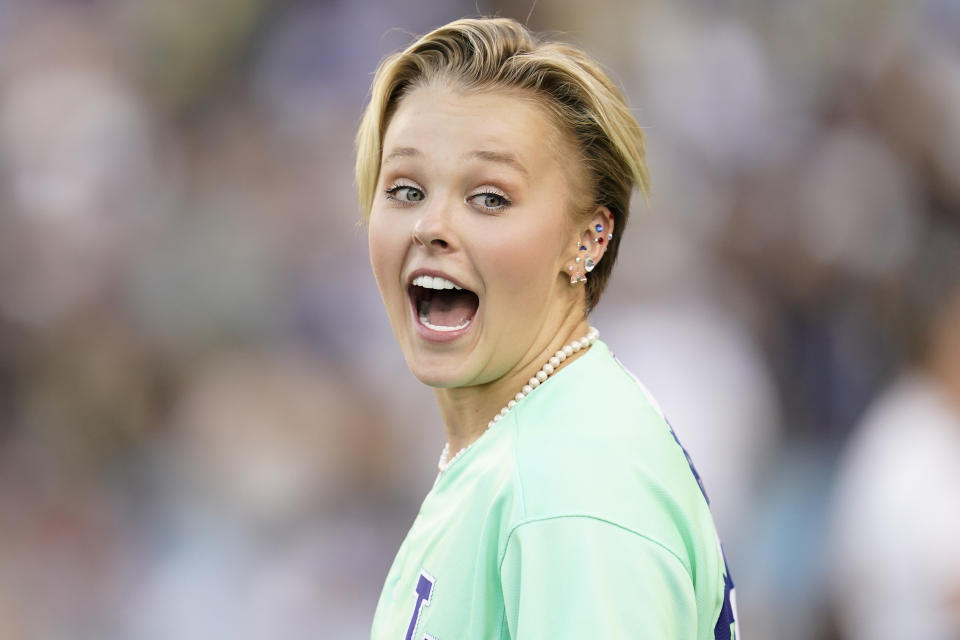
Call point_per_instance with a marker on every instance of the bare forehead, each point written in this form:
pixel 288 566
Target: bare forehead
pixel 504 126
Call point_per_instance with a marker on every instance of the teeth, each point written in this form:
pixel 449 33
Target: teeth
pixel 434 282
pixel 437 327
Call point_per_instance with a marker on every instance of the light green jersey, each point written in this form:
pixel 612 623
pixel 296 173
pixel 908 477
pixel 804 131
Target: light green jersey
pixel 575 516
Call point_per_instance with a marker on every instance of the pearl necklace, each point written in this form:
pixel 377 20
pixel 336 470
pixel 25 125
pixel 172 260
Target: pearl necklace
pixel 541 376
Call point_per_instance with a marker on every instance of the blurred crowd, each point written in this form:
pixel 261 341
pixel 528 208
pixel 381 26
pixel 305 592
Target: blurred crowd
pixel 207 431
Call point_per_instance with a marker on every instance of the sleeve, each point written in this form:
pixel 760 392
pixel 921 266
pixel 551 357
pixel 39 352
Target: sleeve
pixel 580 577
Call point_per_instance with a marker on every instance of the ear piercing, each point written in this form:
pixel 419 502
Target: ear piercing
pixel 599 228
pixel 580 276
pixel 579 273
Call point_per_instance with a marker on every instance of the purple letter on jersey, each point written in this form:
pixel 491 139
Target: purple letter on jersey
pixel 424 591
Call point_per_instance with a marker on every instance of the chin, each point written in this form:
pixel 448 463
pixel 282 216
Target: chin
pixel 438 372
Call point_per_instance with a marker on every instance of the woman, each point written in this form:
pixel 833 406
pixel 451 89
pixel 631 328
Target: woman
pixel 496 171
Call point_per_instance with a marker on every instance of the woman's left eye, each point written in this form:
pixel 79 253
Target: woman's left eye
pixel 489 200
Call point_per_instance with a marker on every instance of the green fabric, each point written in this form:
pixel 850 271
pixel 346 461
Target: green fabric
pixel 575 516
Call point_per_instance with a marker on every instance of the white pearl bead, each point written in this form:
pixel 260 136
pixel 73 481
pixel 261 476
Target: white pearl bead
pixel 548 368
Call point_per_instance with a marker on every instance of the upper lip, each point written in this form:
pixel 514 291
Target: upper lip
pixel 434 273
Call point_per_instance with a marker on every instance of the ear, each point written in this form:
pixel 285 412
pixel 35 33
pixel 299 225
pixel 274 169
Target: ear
pixel 590 243
pixel 596 234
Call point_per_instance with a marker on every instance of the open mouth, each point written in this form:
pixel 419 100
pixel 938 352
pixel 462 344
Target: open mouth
pixel 441 305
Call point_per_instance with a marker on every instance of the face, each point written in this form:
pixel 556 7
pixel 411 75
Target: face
pixel 471 234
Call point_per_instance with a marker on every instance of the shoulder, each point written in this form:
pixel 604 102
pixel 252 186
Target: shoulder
pixel 907 438
pixel 901 468
pixel 591 443
pixel 902 464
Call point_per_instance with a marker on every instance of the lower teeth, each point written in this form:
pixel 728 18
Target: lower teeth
pixel 437 327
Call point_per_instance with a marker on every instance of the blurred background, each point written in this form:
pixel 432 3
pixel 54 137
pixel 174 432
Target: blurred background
pixel 207 430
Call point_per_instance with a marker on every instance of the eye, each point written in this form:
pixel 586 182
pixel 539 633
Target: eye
pixel 405 194
pixel 490 200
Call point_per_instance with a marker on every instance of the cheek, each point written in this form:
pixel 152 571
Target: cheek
pixel 386 252
pixel 525 264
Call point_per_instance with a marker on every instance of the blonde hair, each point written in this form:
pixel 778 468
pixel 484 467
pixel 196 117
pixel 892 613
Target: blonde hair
pixel 499 53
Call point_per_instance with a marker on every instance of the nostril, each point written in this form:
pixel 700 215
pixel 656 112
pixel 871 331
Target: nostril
pixel 429 235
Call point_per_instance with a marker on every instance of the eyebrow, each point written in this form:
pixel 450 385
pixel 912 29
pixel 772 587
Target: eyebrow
pixel 501 157
pixel 400 152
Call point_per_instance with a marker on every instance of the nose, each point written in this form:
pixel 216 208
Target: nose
pixel 432 229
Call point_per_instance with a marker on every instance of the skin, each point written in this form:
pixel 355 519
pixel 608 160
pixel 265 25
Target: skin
pixel 471 186
pixel 943 362
pixel 943 359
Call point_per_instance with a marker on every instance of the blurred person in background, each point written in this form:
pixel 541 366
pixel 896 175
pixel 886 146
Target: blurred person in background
pixel 496 171
pixel 895 565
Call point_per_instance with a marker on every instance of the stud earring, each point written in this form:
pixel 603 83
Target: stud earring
pixel 579 271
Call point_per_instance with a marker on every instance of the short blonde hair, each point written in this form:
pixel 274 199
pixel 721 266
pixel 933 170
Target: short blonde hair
pixel 499 53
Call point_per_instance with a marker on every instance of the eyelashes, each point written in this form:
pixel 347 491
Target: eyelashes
pixel 492 200
pixel 486 198
pixel 405 194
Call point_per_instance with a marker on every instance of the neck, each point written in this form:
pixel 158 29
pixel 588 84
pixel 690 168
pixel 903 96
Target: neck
pixel 947 373
pixel 943 359
pixel 467 411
